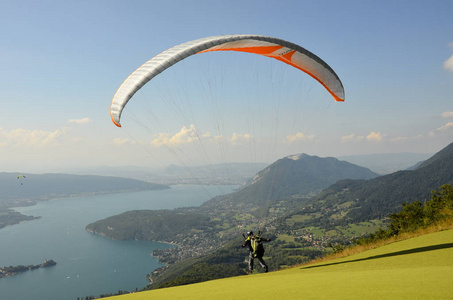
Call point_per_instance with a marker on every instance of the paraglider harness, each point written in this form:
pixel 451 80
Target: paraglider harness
pixel 256 244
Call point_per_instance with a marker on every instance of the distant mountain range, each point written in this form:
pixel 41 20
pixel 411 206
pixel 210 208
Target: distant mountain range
pixel 239 173
pixel 386 163
pixel 35 187
pixel 215 174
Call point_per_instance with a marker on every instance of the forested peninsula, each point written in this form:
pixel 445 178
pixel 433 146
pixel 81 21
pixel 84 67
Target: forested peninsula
pixel 14 270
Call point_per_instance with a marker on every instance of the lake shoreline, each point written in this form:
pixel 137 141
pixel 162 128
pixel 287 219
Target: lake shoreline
pixel 10 211
pixel 88 264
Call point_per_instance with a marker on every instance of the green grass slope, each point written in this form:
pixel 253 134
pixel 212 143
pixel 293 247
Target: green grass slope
pixel 417 268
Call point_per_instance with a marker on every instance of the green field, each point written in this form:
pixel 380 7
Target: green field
pixel 301 218
pixel 417 268
pixel 362 228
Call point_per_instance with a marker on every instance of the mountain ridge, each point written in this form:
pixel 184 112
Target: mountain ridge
pixel 380 196
pixel 387 163
pixel 298 175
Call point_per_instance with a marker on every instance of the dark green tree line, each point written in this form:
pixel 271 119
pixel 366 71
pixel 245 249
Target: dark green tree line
pixel 417 215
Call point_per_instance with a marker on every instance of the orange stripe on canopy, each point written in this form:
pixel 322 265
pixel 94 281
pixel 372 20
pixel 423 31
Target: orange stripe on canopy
pixel 289 62
pixel 286 58
pixel 263 50
pixel 289 55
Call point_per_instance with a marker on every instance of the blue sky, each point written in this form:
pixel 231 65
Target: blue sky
pixel 62 61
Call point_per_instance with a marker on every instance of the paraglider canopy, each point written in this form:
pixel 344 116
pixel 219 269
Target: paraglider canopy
pixel 287 52
pixel 19 177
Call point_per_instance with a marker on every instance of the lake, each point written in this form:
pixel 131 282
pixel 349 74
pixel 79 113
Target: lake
pixel 87 264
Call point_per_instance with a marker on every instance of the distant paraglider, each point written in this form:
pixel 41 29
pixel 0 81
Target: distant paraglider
pixel 19 177
pixel 287 52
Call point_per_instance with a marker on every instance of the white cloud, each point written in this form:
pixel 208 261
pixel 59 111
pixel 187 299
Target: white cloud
pixel 447 114
pixel 184 136
pixel 188 135
pixel 442 129
pixel 31 138
pixel 352 137
pixel 237 137
pixel 374 136
pixel 120 141
pixel 446 126
pixel 299 137
pixel 80 121
pixel 448 64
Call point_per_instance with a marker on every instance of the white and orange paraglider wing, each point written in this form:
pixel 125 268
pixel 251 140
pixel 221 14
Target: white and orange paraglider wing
pixel 289 53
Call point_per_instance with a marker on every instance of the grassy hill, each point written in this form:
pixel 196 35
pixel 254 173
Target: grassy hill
pixel 417 268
